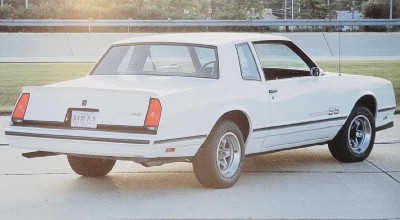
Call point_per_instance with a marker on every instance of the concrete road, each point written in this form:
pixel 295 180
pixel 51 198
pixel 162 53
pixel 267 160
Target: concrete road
pixel 88 47
pixel 298 184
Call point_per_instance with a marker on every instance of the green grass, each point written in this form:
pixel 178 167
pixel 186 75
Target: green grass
pixel 389 70
pixel 13 76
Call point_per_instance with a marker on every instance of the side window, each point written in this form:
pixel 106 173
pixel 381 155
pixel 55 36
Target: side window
pixel 247 63
pixel 279 61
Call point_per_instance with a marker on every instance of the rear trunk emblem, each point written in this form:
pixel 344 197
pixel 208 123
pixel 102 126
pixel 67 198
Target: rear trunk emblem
pixel 84 102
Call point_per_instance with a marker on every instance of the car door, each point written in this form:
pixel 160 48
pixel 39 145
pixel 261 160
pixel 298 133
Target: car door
pixel 303 108
pixel 253 88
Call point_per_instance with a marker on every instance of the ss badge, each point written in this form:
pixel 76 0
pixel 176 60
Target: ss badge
pixel 333 110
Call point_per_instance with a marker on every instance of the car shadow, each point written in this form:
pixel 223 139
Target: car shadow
pixel 313 159
pixel 159 181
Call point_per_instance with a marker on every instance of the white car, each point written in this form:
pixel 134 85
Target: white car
pixel 206 98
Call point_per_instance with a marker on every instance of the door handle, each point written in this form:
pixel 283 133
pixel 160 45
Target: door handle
pixel 273 91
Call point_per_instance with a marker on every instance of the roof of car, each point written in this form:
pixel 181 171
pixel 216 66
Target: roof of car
pixel 205 38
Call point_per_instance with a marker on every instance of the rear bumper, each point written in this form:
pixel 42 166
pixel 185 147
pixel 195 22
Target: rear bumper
pixel 98 143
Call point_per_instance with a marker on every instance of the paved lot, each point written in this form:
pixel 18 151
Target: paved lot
pixel 298 184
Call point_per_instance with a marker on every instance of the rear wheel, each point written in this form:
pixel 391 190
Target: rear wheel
pixel 219 161
pixel 91 167
pixel 355 140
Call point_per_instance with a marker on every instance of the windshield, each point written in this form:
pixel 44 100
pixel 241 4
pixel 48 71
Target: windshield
pixel 160 59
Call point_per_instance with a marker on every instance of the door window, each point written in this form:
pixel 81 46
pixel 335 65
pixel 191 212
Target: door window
pixel 279 61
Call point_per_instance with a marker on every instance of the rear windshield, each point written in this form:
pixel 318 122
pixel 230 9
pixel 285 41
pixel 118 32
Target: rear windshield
pixel 160 59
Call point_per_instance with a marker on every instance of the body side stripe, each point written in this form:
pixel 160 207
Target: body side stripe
pixel 299 124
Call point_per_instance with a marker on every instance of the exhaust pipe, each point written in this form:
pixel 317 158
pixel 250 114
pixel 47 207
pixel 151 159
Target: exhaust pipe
pixel 35 154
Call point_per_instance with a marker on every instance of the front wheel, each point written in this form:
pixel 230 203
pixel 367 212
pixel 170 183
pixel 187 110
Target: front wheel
pixel 218 163
pixel 91 167
pixel 355 140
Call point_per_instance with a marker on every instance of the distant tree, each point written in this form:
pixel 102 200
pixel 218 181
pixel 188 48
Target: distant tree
pixel 277 6
pixel 375 9
pixel 310 8
pixel 6 12
pixel 347 5
pixel 304 9
pixel 173 9
pixel 274 4
pixel 15 3
pixel 380 9
pixel 236 9
pixel 316 9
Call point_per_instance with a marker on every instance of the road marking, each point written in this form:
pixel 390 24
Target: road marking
pixel 388 142
pixel 383 171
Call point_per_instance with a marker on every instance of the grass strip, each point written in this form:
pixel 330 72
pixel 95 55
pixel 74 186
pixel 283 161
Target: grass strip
pixel 16 75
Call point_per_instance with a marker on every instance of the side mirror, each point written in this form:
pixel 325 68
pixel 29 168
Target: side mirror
pixel 315 71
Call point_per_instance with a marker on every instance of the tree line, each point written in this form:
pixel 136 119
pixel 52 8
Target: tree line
pixel 131 9
pixel 192 9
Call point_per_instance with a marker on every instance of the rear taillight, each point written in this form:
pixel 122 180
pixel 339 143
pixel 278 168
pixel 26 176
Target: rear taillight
pixel 153 114
pixel 20 108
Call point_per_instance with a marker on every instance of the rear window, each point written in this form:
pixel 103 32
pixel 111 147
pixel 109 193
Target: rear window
pixel 160 59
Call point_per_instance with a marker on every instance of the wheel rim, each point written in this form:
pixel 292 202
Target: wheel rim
pixel 359 135
pixel 228 155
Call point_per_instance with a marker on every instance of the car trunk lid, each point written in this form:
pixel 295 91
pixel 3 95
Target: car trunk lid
pixel 113 107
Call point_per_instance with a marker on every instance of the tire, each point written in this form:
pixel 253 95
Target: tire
pixel 90 167
pixel 218 163
pixel 356 138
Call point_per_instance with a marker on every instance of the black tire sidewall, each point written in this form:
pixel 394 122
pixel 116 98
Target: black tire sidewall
pixel 90 167
pixel 354 157
pixel 205 161
pixel 357 112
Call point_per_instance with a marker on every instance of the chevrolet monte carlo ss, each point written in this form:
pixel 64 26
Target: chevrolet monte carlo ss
pixel 207 98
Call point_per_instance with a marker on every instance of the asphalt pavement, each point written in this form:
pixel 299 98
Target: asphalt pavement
pixel 297 184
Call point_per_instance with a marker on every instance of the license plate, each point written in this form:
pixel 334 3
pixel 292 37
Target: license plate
pixel 84 119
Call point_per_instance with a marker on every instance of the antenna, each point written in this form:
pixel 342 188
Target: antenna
pixel 340 68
